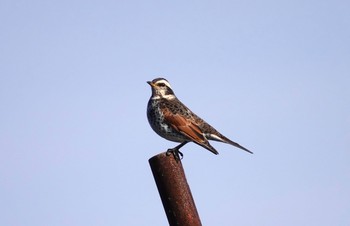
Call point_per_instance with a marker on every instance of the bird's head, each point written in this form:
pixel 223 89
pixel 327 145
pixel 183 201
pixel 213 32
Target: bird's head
pixel 161 89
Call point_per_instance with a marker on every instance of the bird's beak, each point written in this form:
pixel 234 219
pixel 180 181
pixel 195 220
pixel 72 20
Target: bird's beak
pixel 150 83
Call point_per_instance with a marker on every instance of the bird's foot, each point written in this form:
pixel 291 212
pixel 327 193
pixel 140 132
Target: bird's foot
pixel 176 153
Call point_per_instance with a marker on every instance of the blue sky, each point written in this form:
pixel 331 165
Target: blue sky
pixel 273 76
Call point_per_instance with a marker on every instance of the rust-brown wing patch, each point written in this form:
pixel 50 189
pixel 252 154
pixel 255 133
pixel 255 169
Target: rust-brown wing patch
pixel 185 127
pixel 189 129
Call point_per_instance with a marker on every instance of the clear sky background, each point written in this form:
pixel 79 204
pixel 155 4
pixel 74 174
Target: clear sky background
pixel 273 76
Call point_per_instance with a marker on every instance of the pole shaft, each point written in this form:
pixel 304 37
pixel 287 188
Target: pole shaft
pixel 174 191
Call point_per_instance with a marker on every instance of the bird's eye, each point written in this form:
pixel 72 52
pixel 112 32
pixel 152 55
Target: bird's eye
pixel 161 84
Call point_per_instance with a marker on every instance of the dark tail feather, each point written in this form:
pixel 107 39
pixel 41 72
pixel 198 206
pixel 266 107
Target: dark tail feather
pixel 238 146
pixel 222 138
pixel 208 147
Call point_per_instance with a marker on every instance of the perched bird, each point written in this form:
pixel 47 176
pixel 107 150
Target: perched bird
pixel 172 120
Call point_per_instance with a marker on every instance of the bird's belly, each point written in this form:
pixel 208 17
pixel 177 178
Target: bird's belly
pixel 162 128
pixel 165 131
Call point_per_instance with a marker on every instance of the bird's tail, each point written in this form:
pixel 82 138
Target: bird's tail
pixel 207 146
pixel 224 139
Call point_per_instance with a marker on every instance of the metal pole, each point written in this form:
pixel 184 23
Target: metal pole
pixel 174 191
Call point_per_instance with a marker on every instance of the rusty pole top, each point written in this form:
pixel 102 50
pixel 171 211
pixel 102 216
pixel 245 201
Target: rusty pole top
pixel 174 191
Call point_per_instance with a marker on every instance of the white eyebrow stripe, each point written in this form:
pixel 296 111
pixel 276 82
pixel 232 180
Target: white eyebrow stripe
pixel 165 82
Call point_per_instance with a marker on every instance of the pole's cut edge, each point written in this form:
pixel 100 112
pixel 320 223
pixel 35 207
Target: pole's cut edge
pixel 174 191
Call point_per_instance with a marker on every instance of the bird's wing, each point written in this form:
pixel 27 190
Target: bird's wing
pixel 188 129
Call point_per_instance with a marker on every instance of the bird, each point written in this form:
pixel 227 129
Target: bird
pixel 172 120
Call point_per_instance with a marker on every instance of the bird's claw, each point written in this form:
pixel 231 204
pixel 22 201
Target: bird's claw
pixel 176 153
